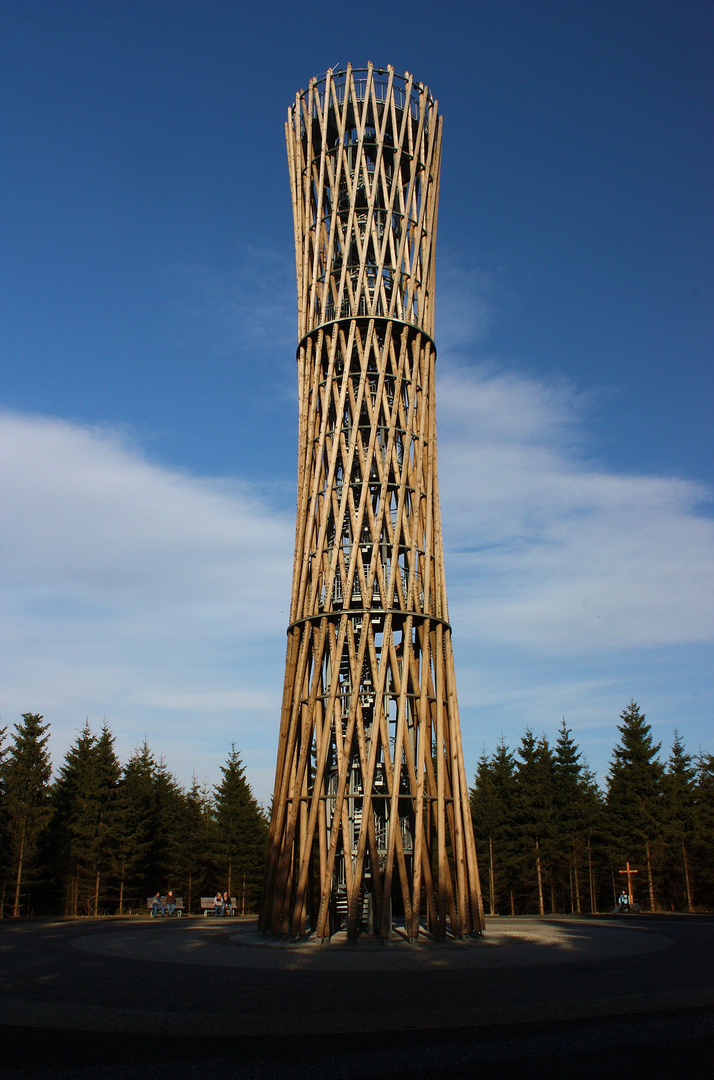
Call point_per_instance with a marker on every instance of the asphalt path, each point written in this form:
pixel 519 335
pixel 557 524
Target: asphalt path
pixel 629 996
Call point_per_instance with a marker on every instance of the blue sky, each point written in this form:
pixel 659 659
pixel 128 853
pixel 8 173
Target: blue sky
pixel 147 342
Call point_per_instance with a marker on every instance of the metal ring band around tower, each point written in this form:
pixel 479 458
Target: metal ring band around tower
pixel 353 613
pixel 363 319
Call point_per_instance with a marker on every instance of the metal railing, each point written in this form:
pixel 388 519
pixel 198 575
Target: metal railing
pixel 380 83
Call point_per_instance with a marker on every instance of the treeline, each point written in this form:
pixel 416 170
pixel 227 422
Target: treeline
pixel 549 840
pixel 102 837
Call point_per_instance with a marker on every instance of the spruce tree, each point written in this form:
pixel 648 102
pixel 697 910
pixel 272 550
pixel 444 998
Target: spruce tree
pixel 494 793
pixel 704 828
pixel 69 828
pixel 485 815
pixel 101 810
pixel 576 804
pixel 242 832
pixel 83 798
pixel 196 857
pixel 678 822
pixel 25 779
pixel 134 822
pixel 534 786
pixel 634 791
pixel 167 827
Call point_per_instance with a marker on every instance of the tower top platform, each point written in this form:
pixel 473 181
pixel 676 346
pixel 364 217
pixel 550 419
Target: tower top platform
pixel 404 87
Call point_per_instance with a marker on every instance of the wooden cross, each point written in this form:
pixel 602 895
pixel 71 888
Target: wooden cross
pixel 629 873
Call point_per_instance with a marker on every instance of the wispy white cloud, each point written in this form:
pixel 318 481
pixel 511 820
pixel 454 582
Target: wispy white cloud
pixel 137 591
pixel 553 552
pixel 160 598
pixel 90 522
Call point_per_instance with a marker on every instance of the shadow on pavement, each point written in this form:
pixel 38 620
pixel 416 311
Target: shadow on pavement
pixel 657 1047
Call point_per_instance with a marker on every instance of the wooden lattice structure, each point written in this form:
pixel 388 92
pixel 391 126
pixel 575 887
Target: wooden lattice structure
pixel 370 809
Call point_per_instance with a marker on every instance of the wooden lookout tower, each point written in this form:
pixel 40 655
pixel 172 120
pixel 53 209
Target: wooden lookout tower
pixel 370 819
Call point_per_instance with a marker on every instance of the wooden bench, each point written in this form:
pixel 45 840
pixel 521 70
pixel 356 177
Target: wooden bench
pixel 208 906
pixel 178 901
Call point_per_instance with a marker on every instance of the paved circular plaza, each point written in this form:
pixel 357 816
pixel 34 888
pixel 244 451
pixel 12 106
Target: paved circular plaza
pixel 169 986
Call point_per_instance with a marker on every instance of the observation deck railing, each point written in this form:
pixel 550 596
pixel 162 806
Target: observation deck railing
pixel 380 80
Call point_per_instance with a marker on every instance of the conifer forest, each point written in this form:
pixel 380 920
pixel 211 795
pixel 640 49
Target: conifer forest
pixel 98 837
pixel 549 840
pixel 101 837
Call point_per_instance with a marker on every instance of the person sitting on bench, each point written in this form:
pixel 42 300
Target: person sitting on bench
pixel 218 905
pixel 227 909
pixel 170 902
pixel 156 904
